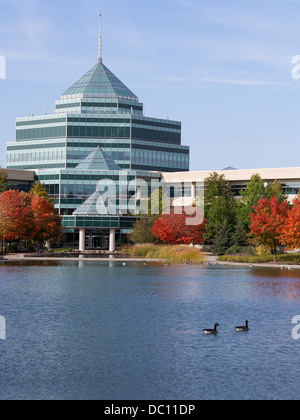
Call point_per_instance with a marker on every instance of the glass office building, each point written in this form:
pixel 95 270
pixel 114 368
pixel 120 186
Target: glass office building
pixel 70 188
pixel 98 110
pixel 97 132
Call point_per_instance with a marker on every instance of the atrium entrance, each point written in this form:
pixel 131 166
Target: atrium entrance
pixel 97 240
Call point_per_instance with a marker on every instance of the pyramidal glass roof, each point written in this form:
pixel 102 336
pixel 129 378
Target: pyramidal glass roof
pixel 98 160
pixel 97 206
pixel 100 81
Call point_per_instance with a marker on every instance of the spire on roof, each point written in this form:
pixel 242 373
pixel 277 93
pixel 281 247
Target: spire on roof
pixel 99 81
pixel 100 40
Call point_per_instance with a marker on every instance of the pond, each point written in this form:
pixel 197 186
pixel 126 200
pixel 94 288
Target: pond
pixel 101 330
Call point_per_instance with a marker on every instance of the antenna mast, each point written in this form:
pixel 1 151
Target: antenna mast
pixel 100 39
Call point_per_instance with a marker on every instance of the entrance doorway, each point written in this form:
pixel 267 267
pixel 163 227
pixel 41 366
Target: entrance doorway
pixel 98 240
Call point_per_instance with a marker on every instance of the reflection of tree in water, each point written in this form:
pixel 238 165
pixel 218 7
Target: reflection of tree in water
pixel 277 282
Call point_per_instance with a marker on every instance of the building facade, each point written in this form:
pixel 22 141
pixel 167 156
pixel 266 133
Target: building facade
pixel 98 110
pixel 20 180
pixel 77 193
pixel 98 132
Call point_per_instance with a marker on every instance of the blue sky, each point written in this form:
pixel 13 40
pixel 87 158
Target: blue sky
pixel 222 67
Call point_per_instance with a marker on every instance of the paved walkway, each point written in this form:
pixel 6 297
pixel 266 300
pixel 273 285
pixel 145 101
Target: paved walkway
pixel 213 260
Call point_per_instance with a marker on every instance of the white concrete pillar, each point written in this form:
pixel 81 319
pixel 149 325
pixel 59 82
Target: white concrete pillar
pixel 112 240
pixel 194 191
pixel 82 240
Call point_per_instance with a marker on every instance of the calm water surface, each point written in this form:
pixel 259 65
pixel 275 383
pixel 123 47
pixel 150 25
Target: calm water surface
pixel 98 330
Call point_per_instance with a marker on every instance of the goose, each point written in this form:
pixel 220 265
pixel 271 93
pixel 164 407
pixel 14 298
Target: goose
pixel 243 328
pixel 214 331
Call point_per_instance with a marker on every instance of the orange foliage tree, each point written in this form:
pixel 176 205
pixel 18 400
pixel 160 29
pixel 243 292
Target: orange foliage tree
pixel 27 216
pixel 46 224
pixel 268 221
pixel 173 229
pixel 15 215
pixel 291 230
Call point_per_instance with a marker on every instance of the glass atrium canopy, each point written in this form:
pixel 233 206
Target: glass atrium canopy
pixel 98 161
pixel 96 206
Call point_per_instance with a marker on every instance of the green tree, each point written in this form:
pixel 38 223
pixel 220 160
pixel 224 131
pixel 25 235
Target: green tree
pixel 219 205
pixel 254 191
pixel 39 189
pixel 3 181
pixel 223 239
pixel 275 190
pixel 215 186
pixel 239 236
pixel 142 231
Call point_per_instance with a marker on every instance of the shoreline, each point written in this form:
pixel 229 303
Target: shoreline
pixel 211 261
pixel 22 258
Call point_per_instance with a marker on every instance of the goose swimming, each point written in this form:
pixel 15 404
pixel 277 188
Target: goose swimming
pixel 243 328
pixel 213 331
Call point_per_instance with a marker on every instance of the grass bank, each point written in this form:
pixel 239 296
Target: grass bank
pixel 252 259
pixel 174 254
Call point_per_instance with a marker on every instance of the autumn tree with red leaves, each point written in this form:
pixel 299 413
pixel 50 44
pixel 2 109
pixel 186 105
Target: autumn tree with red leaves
pixel 173 229
pixel 268 221
pixel 291 230
pixel 15 215
pixel 28 217
pixel 46 223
